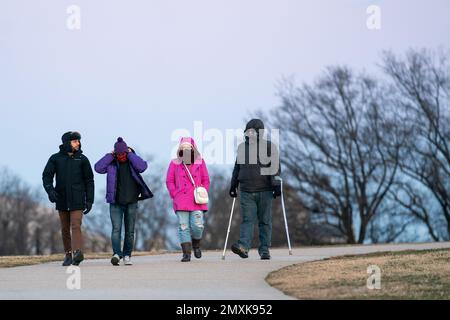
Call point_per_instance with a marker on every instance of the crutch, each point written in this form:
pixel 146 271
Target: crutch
pixel 228 232
pixel 284 215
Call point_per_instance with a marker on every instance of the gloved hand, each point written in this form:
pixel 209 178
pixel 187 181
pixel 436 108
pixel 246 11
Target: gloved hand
pixel 53 196
pixel 276 191
pixel 88 208
pixel 233 192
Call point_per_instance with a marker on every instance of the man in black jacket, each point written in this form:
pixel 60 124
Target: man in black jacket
pixel 255 173
pixel 73 193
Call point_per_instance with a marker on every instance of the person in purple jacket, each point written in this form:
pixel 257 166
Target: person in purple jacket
pixel 124 188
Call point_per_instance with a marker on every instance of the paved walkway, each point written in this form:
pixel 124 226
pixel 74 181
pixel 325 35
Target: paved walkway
pixel 164 277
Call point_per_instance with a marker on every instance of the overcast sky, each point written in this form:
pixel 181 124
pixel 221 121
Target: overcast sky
pixel 141 69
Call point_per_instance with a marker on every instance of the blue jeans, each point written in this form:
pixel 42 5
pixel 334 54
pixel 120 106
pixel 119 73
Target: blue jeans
pixel 190 225
pixel 126 214
pixel 256 206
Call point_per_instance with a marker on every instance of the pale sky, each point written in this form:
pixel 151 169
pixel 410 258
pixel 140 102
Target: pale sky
pixel 141 69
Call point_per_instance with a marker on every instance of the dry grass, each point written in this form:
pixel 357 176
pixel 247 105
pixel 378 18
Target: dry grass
pixel 15 261
pixel 404 275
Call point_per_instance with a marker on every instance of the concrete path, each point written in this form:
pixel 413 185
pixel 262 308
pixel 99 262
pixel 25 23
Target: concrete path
pixel 164 277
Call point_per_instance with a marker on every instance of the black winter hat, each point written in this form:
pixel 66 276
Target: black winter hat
pixel 256 124
pixel 70 135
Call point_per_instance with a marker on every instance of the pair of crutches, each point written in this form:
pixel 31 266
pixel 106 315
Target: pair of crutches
pixel 284 215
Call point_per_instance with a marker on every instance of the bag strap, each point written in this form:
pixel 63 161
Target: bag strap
pixel 190 176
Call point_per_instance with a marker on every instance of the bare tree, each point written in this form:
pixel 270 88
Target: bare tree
pixel 340 146
pixel 391 224
pixel 16 204
pixel 422 80
pixel 45 232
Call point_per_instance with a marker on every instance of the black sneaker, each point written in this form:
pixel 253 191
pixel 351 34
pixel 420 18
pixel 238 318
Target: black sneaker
pixel 115 260
pixel 239 250
pixel 265 256
pixel 67 260
pixel 78 257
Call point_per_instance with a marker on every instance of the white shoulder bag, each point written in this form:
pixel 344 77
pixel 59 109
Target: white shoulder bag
pixel 200 193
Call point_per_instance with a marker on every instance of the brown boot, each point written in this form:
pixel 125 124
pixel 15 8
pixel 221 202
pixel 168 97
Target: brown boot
pixel 187 250
pixel 196 247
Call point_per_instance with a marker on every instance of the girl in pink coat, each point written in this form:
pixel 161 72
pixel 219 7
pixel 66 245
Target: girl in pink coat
pixel 181 189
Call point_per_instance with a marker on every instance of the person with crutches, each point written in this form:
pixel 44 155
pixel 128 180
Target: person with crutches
pixel 257 175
